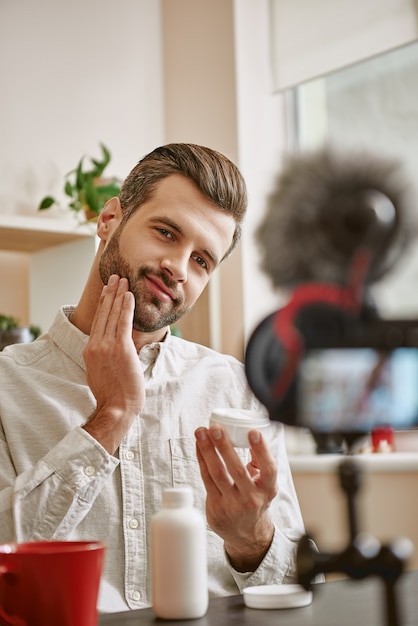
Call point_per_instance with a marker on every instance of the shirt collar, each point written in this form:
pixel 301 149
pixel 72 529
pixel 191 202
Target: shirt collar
pixel 72 341
pixel 67 337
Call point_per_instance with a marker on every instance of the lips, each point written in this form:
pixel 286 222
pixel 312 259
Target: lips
pixel 160 290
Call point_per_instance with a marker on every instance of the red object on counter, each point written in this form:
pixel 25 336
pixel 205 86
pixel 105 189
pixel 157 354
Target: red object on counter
pixel 382 439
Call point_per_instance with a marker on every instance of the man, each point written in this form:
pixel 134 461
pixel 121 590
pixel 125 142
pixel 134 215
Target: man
pixel 107 409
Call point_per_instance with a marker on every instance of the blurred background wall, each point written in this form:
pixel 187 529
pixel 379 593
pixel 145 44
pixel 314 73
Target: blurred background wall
pixel 138 73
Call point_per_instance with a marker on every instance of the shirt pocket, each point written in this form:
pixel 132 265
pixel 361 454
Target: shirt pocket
pixel 185 468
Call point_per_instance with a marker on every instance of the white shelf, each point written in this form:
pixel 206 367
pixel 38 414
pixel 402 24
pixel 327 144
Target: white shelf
pixel 374 462
pixel 20 233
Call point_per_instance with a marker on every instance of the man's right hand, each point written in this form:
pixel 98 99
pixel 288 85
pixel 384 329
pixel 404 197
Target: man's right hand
pixel 114 372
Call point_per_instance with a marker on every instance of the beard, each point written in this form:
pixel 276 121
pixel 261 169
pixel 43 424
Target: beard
pixel 150 314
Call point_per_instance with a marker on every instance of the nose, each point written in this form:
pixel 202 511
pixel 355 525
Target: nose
pixel 176 266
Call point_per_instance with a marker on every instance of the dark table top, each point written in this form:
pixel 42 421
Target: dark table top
pixel 341 602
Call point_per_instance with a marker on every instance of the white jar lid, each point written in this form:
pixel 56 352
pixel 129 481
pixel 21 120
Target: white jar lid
pixel 239 422
pixel 277 597
pixel 240 417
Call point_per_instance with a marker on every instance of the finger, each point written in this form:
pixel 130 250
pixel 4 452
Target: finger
pixel 116 306
pixel 236 471
pixel 262 475
pixel 111 304
pixel 214 464
pixel 126 315
pixel 263 461
pixel 210 486
pixel 104 306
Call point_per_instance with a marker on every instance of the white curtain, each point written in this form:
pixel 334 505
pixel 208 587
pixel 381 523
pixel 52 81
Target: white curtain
pixel 310 38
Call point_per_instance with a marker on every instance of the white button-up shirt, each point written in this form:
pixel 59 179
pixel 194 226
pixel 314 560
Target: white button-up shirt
pixel 57 482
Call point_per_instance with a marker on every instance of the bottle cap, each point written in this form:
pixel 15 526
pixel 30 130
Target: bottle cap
pixel 178 496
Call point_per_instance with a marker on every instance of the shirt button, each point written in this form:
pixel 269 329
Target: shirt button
pixel 133 523
pixel 136 596
pixel 89 470
pixel 129 455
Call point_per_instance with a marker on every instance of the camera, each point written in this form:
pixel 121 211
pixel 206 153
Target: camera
pixel 350 376
pixel 335 224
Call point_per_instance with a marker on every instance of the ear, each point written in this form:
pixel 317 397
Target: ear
pixel 109 219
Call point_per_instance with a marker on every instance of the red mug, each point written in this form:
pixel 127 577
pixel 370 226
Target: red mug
pixel 50 583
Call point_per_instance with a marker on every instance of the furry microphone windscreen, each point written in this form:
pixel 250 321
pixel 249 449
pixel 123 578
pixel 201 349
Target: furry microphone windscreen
pixel 325 206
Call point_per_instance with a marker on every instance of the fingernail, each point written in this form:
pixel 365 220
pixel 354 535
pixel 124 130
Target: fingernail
pixel 254 436
pixel 216 433
pixel 201 434
pixel 112 279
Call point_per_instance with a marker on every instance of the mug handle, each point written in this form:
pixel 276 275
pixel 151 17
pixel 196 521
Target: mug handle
pixel 9 620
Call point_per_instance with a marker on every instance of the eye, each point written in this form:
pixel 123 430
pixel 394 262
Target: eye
pixel 201 261
pixel 165 233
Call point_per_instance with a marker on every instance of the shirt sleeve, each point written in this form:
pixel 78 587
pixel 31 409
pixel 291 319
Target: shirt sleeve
pixel 277 567
pixel 49 500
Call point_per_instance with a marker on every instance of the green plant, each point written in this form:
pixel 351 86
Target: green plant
pixel 35 331
pixel 87 189
pixel 8 322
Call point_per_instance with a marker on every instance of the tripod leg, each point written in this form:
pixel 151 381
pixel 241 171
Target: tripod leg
pixel 392 606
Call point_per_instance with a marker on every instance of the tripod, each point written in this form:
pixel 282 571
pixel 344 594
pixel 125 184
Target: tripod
pixel 363 556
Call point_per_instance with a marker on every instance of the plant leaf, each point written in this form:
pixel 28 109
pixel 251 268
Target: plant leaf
pixel 79 176
pixel 47 202
pixel 100 166
pixel 91 197
pixel 106 154
pixel 109 189
pixel 69 189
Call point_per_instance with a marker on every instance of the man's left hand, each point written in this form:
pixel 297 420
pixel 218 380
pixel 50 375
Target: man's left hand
pixel 238 496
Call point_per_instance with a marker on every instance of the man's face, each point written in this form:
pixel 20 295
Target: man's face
pixel 168 250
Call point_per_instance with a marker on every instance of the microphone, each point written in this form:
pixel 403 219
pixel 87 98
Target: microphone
pixel 326 205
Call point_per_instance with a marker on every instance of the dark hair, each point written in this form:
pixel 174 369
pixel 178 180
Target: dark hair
pixel 213 173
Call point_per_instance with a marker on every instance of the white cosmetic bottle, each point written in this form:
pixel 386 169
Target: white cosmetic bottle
pixel 178 558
